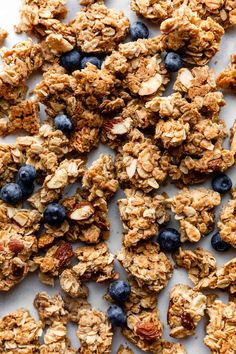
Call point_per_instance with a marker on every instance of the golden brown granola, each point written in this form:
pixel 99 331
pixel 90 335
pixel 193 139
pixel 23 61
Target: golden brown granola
pixel 227 78
pixel 199 263
pixel 10 160
pixel 124 350
pixel 71 284
pixel 99 29
pixel 3 35
pixel 221 333
pixel 95 262
pixel 194 209
pixel 74 306
pixel 147 265
pixel 154 10
pixel 139 163
pixel 221 278
pixel 141 215
pixel 227 222
pixel 94 332
pixel 186 309
pixel 19 333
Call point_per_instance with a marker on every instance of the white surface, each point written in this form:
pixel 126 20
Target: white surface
pixel 23 294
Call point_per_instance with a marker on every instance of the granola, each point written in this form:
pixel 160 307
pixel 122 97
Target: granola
pixel 99 29
pixel 94 332
pixel 199 263
pixel 141 215
pixel 139 163
pixel 74 306
pixel 95 262
pixel 124 350
pixel 147 265
pixel 153 10
pixel 19 332
pixel 226 224
pixel 194 209
pixel 227 78
pixel 72 285
pixel 220 330
pixel 3 35
pixel 10 159
pixel 186 309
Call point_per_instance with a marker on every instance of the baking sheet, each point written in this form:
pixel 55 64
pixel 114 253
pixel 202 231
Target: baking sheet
pixel 23 294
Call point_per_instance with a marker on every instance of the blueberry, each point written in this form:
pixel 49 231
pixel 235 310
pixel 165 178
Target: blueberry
pixel 11 193
pixel 138 30
pixel 63 123
pixel 116 315
pixel 119 290
pixel 169 239
pixel 54 214
pixel 218 244
pixel 91 59
pixel 173 62
pixel 26 174
pixel 27 189
pixel 71 60
pixel 221 183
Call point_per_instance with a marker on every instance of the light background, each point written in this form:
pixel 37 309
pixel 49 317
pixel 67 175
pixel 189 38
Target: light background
pixel 23 294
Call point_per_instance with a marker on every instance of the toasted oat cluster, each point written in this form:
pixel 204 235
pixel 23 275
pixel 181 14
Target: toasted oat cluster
pixel 221 337
pixel 124 350
pixel 227 223
pixel 227 78
pixel 186 308
pixel 141 215
pixel 194 208
pixel 199 263
pixel 147 265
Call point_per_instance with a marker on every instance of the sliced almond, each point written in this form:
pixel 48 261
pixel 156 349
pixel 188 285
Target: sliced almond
pixel 131 169
pixel 150 86
pixel 82 211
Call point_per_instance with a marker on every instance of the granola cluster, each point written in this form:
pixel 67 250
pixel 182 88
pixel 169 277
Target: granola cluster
pixel 227 78
pixel 227 222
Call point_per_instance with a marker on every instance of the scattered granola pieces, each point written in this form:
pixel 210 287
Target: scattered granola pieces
pixel 74 306
pixel 197 40
pixel 3 35
pixel 221 337
pixel 50 309
pixel 100 179
pixel 124 350
pixel 227 223
pixel 222 278
pixel 186 308
pixel 147 265
pixel 99 29
pixel 141 215
pixel 227 78
pixel 156 11
pixel 94 332
pixel 10 159
pixel 194 208
pixel 19 332
pixel 199 263
pixel 72 285
pixel 95 262
pixel 139 163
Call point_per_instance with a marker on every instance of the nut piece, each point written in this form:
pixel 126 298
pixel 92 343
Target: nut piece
pixel 82 211
pixel 186 308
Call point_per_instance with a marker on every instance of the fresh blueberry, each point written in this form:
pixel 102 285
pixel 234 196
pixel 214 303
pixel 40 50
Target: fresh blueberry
pixel 91 59
pixel 221 183
pixel 11 193
pixel 26 188
pixel 138 30
pixel 119 290
pixel 116 315
pixel 173 62
pixel 169 239
pixel 218 244
pixel 71 60
pixel 63 123
pixel 26 174
pixel 54 214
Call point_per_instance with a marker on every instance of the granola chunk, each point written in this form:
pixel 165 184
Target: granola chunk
pixel 95 262
pixel 124 350
pixel 227 78
pixel 141 215
pixel 100 179
pixel 194 208
pixel 99 29
pixel 197 40
pixel 221 337
pixel 54 261
pixel 227 223
pixel 19 332
pixel 72 285
pixel 222 278
pixel 10 159
pixel 153 10
pixel 139 163
pixel 74 306
pixel 199 263
pixel 25 115
pixel 3 35
pixel 94 332
pixel 147 265
pixel 171 133
pixel 50 309
pixel 186 309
